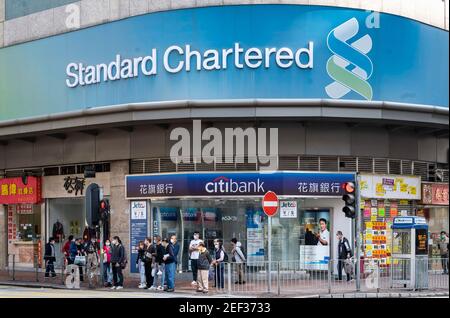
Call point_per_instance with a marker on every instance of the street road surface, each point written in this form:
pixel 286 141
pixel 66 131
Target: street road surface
pixel 25 292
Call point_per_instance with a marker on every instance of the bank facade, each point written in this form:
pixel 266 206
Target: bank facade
pixel 346 90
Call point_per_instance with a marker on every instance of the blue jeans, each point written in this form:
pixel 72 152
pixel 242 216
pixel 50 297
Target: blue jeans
pixel 107 273
pixel 160 267
pixel 170 275
pixel 141 267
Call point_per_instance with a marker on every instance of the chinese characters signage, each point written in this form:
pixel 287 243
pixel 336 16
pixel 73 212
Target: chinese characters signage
pixel 435 193
pixel 138 229
pixel 74 185
pixel 13 191
pixel 288 209
pixel 390 187
pixel 236 184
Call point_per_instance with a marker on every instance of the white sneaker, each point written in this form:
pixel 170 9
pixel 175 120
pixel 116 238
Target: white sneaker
pixel 114 287
pixel 142 286
pixel 119 287
pixel 160 288
pixel 194 283
pixel 159 273
pixel 152 288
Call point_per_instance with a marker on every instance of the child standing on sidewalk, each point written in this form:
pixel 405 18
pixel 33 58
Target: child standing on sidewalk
pixel 203 263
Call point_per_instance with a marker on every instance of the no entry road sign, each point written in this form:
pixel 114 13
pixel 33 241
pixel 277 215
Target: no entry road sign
pixel 270 203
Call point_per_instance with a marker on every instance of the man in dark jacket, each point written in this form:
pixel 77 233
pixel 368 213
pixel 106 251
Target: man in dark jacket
pixel 344 253
pixel 118 261
pixel 50 257
pixel 170 263
pixel 203 263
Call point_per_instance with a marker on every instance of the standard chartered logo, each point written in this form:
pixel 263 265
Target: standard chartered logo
pixel 349 66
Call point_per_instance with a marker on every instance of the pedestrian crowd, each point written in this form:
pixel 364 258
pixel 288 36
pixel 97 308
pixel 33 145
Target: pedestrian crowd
pixel 156 262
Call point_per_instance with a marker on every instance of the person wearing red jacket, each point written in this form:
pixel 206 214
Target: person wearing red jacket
pixel 66 249
pixel 107 274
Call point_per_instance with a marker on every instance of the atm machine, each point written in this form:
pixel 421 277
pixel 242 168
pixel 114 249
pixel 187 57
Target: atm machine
pixel 409 265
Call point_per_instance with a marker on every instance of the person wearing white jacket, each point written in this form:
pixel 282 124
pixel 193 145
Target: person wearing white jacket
pixel 239 259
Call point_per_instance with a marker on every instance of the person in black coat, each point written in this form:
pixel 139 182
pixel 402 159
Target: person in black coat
pixel 118 262
pixel 50 257
pixel 344 252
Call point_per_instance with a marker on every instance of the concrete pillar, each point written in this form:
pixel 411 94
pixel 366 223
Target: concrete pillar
pixel 2 19
pixel 120 209
pixel 3 237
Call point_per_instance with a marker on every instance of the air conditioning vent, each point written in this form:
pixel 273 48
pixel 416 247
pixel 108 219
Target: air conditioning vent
pixel 329 164
pixel 421 169
pixel 365 164
pixel 288 163
pixel 395 167
pixel 347 164
pixel 406 167
pixel 309 163
pixel 381 165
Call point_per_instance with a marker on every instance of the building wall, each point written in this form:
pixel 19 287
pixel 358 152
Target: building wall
pixel 4 236
pixel 294 139
pixel 81 14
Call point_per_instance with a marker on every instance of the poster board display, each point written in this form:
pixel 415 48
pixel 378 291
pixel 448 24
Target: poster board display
pixel 314 257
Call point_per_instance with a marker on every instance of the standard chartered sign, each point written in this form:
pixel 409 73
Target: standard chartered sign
pixel 184 58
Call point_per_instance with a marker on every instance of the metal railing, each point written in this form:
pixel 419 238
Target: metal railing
pixel 285 278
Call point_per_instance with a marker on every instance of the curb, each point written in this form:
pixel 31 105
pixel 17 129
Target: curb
pixel 31 285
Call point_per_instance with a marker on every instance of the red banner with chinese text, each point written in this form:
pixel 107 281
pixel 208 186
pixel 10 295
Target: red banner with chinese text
pixel 13 191
pixel 435 193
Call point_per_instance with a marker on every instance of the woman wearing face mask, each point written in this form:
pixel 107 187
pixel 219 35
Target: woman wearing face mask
pixel 220 258
pixel 117 262
pixel 107 274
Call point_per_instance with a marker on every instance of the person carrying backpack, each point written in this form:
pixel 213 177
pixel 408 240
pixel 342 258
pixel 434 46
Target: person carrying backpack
pixel 239 259
pixel 220 258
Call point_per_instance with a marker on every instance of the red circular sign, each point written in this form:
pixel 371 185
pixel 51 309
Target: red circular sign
pixel 270 203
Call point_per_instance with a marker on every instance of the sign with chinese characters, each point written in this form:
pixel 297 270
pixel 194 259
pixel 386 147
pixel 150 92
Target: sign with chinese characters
pixel 390 187
pixel 74 185
pixel 24 209
pixel 12 227
pixel 236 184
pixel 435 193
pixel 138 229
pixel 288 209
pixel 13 191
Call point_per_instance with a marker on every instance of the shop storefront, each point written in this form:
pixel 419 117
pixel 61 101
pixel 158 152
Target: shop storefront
pixel 65 206
pixel 227 205
pixel 22 198
pixel 384 197
pixel 434 207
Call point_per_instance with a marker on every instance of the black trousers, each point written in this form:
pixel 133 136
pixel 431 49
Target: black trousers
pixel 50 267
pixel 219 276
pixel 148 274
pixel 194 269
pixel 340 267
pixel 117 275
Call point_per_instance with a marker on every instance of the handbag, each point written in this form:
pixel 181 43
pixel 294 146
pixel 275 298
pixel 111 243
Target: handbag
pixel 123 264
pixel 348 266
pixel 80 260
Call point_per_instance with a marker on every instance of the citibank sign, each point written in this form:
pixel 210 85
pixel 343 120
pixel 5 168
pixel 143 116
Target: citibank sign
pixel 178 59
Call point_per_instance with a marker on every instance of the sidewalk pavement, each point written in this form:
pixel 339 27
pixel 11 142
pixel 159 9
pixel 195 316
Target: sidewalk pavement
pixel 404 294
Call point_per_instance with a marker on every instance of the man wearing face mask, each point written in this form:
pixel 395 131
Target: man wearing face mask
pixel 117 262
pixel 170 264
pixel 443 249
pixel 193 255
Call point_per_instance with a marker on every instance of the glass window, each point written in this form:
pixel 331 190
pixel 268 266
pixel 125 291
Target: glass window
pixel 28 220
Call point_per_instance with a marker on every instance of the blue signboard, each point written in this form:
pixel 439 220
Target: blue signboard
pixel 228 52
pixel 236 184
pixel 138 230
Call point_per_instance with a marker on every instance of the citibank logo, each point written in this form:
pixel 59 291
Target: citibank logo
pixel 349 66
pixel 228 185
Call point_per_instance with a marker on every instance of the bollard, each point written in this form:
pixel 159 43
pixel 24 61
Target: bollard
pixel 229 277
pixel 36 265
pixel 63 265
pixel 14 266
pixel 329 277
pixel 278 278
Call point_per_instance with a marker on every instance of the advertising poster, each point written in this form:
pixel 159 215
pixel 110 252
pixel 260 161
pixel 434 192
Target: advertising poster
pixel 314 257
pixel 367 209
pixel 138 230
pixel 390 187
pixel 255 236
pixel 381 209
pixel 394 209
